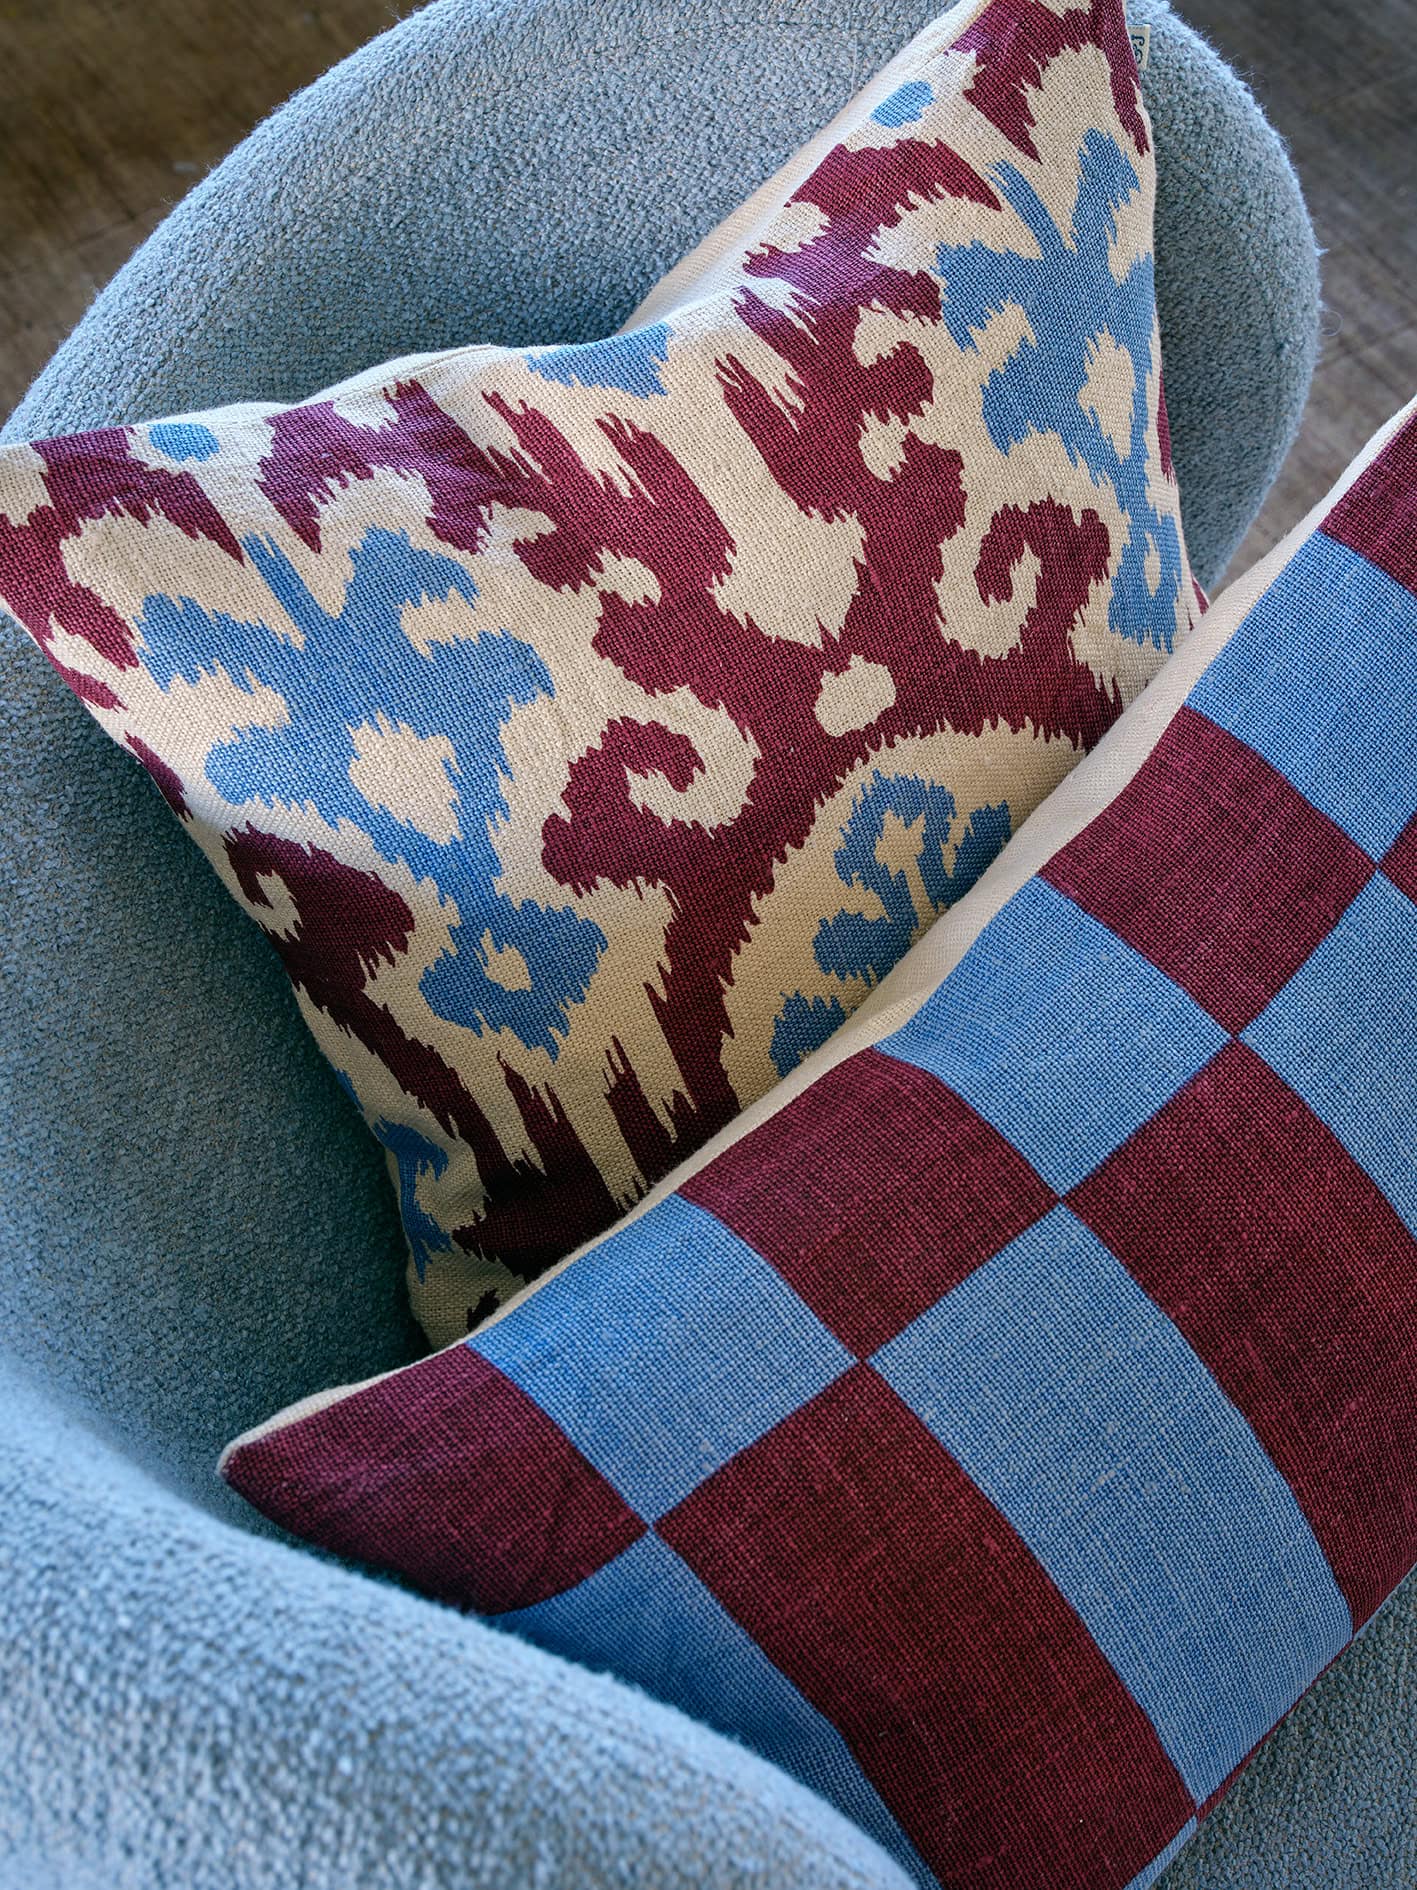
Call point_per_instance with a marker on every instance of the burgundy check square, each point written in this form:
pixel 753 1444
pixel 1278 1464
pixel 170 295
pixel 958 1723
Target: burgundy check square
pixel 1216 868
pixel 1401 863
pixel 428 1459
pixel 866 1141
pixel 1377 516
pixel 832 1541
pixel 1291 1276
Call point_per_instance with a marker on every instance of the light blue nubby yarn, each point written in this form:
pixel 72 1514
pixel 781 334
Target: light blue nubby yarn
pixel 186 1707
pixel 194 1227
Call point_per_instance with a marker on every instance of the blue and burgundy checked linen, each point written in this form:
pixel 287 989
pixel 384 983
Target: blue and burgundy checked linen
pixel 1005 1433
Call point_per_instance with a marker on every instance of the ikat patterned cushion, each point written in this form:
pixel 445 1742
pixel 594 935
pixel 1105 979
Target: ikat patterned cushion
pixel 1005 1426
pixel 591 728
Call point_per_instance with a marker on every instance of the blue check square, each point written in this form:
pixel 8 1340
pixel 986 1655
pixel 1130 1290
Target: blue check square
pixel 664 1351
pixel 1339 622
pixel 648 1619
pixel 1343 1034
pixel 1059 1034
pixel 1088 1421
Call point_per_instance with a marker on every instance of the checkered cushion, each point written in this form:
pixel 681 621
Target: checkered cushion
pixel 1004 1433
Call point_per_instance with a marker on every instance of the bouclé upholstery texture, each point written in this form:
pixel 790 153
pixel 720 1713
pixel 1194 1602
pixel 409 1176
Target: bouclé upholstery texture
pixel 414 199
pixel 1010 1425
pixel 591 728
pixel 188 1708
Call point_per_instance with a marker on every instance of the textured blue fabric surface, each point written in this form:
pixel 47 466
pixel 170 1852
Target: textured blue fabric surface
pixel 183 1703
pixel 188 1708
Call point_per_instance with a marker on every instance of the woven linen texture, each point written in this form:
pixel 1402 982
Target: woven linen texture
pixel 1003 1434
pixel 591 728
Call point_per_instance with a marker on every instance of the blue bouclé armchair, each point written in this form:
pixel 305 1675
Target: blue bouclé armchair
pixel 195 1228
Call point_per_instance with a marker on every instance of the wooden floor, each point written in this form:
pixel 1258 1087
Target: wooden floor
pixel 1339 80
pixel 109 111
pixel 110 108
